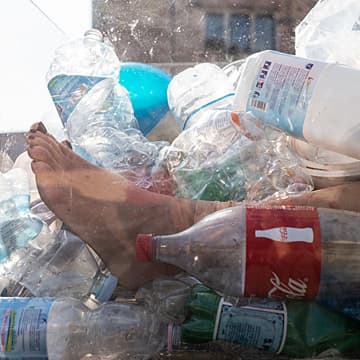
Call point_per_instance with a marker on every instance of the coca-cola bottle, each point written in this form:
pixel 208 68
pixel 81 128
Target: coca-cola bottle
pixel 271 325
pixel 278 252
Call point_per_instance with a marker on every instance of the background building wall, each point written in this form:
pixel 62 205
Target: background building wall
pixel 173 32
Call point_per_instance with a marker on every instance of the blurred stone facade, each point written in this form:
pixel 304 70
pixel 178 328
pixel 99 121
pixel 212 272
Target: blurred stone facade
pixel 175 32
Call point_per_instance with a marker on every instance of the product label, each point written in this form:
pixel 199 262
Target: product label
pixel 282 89
pixel 16 233
pixel 260 325
pixel 283 252
pixel 67 90
pixel 219 103
pixel 23 327
pixel 220 122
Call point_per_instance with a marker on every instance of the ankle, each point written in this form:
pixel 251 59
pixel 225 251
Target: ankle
pixel 204 208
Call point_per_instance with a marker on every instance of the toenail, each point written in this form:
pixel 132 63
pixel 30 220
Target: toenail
pixel 67 143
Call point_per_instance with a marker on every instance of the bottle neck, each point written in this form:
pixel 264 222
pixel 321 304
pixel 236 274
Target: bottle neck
pixel 94 34
pixel 171 249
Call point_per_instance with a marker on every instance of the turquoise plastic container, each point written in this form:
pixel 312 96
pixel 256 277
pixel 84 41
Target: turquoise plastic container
pixel 147 86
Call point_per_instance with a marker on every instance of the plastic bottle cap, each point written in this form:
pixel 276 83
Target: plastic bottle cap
pixel 144 247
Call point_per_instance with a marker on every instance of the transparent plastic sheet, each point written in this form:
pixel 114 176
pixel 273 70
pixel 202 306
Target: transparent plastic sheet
pixel 329 32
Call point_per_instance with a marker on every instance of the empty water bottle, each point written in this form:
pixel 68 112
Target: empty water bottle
pixel 97 111
pixel 167 296
pixel 228 155
pixel 329 31
pixel 204 86
pixel 63 267
pixel 87 104
pixel 83 82
pixel 41 262
pixel 90 55
pixel 65 329
pixel 50 265
pixel 15 231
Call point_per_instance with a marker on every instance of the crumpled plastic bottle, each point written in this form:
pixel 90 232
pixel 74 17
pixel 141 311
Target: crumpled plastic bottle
pixel 91 55
pixel 96 110
pixel 196 89
pixel 65 266
pixel 67 329
pixel 228 155
pixel 16 227
pixel 167 296
pixel 38 261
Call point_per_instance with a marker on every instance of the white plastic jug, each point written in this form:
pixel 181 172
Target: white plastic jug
pixel 312 100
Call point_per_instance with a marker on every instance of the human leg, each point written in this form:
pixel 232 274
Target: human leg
pixel 105 209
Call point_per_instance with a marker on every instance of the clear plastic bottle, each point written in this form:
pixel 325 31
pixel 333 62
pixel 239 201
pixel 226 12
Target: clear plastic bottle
pixel 204 86
pixel 214 160
pixel 167 296
pixel 96 109
pixel 54 265
pixel 65 267
pixel 65 329
pixel 91 55
pixel 224 251
pixel 83 82
pixel 39 261
pixel 87 104
pixel 15 231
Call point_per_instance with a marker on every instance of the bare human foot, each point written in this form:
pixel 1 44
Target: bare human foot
pixel 105 209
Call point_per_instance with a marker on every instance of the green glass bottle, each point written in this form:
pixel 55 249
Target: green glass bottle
pixel 291 327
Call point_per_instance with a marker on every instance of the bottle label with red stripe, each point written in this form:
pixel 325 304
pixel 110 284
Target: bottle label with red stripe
pixel 283 252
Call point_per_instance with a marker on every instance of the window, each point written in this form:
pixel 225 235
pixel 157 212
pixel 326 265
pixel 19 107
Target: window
pixel 214 29
pixel 235 33
pixel 263 33
pixel 239 32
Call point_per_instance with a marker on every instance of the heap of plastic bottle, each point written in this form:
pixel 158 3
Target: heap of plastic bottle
pixel 277 279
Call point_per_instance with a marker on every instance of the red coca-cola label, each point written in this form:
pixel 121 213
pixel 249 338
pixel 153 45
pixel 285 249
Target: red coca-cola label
pixel 283 252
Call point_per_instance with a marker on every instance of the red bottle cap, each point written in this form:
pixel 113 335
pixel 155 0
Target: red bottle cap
pixel 144 247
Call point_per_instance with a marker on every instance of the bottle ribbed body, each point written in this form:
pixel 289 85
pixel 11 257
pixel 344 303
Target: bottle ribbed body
pixel 113 329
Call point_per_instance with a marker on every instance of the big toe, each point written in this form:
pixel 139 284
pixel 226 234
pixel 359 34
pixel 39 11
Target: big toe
pixel 38 126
